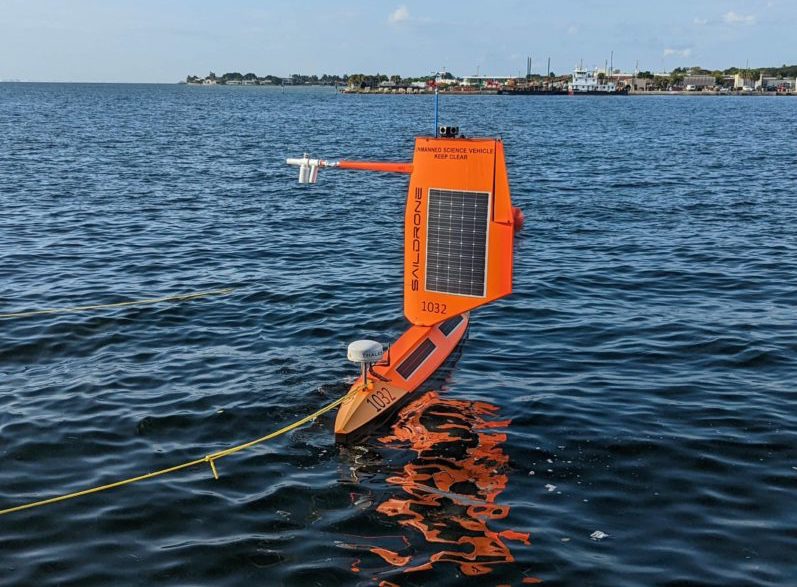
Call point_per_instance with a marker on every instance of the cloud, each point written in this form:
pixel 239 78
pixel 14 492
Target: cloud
pixel 400 14
pixel 700 21
pixel 732 17
pixel 678 52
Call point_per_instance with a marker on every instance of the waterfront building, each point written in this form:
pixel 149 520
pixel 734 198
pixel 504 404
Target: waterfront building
pixel 632 81
pixel 775 84
pixel 740 82
pixel 640 84
pixel 699 82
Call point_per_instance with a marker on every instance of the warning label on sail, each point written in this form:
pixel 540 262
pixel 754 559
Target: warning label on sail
pixel 453 152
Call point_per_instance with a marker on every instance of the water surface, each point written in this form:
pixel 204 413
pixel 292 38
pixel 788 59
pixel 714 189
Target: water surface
pixel 638 387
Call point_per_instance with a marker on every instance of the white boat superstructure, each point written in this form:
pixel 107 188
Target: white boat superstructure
pixel 589 82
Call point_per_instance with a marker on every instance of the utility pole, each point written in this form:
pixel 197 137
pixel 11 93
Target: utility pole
pixel 612 62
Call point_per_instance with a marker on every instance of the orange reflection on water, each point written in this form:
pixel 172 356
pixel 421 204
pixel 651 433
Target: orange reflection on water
pixel 450 488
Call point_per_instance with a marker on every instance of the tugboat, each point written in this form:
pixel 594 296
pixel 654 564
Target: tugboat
pixel 588 83
pixel 459 225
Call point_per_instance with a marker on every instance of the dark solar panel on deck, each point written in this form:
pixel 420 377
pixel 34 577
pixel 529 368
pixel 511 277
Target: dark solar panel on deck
pixel 449 325
pixel 416 359
pixel 457 242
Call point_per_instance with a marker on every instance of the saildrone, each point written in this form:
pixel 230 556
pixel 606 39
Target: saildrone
pixel 459 225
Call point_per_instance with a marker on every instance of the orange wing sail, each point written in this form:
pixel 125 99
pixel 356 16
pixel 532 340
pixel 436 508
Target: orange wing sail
pixel 458 231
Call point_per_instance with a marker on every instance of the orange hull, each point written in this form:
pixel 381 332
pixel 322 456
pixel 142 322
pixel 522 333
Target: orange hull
pixel 413 359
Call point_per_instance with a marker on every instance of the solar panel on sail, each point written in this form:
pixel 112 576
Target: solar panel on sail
pixel 457 242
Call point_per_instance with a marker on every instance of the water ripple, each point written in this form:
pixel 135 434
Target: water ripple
pixel 643 371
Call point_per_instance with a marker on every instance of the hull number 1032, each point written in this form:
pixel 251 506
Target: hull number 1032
pixel 380 399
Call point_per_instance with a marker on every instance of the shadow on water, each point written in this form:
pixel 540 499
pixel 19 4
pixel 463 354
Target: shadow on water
pixel 444 457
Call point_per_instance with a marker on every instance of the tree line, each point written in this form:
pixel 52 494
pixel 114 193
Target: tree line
pixel 355 79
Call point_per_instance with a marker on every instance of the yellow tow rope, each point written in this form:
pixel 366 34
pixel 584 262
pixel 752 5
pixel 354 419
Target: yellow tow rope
pixel 174 298
pixel 210 459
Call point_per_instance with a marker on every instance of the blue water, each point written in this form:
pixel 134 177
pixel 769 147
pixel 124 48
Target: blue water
pixel 640 382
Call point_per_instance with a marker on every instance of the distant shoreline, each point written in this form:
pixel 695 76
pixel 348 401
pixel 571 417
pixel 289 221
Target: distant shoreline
pixel 424 92
pixel 565 95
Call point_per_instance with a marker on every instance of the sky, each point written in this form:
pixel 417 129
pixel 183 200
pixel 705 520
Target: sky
pixel 165 40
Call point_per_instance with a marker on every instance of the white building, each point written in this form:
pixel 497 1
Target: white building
pixel 740 82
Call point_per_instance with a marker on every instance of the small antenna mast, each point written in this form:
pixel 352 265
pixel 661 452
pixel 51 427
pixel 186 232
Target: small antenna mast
pixel 436 75
pixel 436 110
